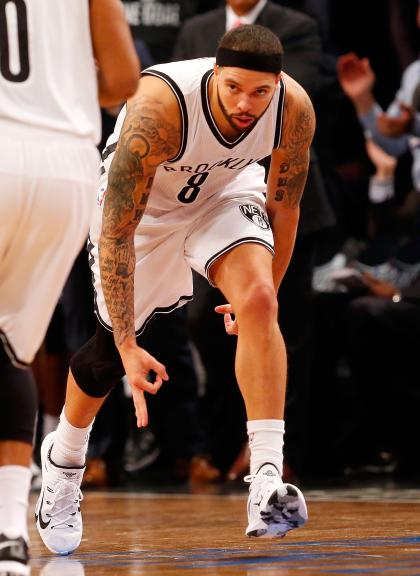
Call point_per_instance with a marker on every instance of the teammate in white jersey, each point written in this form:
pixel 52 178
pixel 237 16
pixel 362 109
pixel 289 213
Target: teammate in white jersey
pixel 181 189
pixel 56 59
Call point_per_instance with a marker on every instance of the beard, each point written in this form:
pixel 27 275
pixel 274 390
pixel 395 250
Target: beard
pixel 230 117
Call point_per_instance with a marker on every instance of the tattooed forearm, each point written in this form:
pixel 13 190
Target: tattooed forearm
pixel 117 263
pixel 289 181
pixel 146 140
pixel 289 190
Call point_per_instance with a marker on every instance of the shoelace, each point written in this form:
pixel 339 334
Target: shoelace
pixel 69 511
pixel 260 484
pixel 258 477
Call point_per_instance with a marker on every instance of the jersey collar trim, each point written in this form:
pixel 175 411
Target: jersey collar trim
pixel 183 108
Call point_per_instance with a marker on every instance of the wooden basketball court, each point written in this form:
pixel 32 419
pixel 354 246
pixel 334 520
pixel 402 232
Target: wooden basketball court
pixel 360 531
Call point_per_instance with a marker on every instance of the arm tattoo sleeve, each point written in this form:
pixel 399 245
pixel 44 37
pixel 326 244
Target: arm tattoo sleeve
pixel 147 138
pixel 291 175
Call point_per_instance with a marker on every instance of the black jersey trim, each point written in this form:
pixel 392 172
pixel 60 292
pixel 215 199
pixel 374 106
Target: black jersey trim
pixel 159 310
pixel 183 107
pixel 280 111
pixel 164 310
pixel 8 348
pixel 108 150
pixel 91 260
pixel 246 240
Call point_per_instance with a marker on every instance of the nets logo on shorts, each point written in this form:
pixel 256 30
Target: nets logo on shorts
pixel 255 215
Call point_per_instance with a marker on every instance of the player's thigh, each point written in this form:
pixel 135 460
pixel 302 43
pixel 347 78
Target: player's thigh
pixel 226 226
pixel 52 226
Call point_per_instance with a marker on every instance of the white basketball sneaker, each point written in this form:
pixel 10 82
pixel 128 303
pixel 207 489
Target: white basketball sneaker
pixel 57 512
pixel 274 508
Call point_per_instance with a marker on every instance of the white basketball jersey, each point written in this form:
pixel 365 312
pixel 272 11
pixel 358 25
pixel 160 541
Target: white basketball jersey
pixel 206 162
pixel 47 68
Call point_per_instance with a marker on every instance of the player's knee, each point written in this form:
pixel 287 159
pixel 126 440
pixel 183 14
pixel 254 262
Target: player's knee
pixel 259 303
pixel 18 402
pixel 95 375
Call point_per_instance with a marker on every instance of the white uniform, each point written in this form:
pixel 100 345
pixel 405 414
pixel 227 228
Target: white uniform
pixel 49 125
pixel 207 199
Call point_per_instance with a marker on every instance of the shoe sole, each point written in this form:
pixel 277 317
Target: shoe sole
pixel 281 515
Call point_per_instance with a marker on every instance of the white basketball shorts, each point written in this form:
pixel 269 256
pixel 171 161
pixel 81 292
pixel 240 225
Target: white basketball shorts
pixel 169 244
pixel 48 186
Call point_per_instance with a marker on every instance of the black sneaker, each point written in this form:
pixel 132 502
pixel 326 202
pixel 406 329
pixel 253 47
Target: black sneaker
pixel 14 557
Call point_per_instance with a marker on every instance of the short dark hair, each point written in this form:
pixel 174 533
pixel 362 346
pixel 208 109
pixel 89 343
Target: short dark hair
pixel 252 38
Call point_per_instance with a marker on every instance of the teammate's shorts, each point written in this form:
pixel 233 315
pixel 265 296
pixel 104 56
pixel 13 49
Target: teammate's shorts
pixel 168 244
pixel 48 182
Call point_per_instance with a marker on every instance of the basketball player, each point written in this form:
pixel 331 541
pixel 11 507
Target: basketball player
pixel 55 58
pixel 181 189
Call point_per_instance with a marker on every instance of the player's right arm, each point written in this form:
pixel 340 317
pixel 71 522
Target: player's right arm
pixel 114 51
pixel 151 134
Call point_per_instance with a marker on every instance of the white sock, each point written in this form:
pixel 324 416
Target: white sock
pixel 70 444
pixel 266 443
pixel 49 424
pixel 15 482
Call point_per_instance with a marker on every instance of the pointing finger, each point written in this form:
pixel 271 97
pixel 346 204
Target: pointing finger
pixel 140 408
pixel 224 309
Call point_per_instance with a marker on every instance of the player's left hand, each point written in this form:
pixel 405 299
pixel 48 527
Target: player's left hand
pixel 231 325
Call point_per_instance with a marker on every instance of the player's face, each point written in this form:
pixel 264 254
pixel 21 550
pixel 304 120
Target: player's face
pixel 243 95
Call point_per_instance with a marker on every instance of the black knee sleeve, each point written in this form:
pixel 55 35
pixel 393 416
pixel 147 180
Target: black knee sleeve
pixel 97 366
pixel 18 401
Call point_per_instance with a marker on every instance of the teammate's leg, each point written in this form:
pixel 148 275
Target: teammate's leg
pixel 18 405
pixel 244 275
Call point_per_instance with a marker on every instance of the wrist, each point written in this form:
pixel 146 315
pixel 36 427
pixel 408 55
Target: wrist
pixel 125 344
pixel 364 103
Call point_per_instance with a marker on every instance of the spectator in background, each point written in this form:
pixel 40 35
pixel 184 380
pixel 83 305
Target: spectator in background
pixel 383 344
pixel 383 324
pixel 398 129
pixel 298 33
pixel 156 23
pixel 404 34
pixel 365 340
pixel 50 123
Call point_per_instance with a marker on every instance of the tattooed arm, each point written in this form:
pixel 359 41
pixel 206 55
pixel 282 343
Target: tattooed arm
pixel 149 136
pixel 288 172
